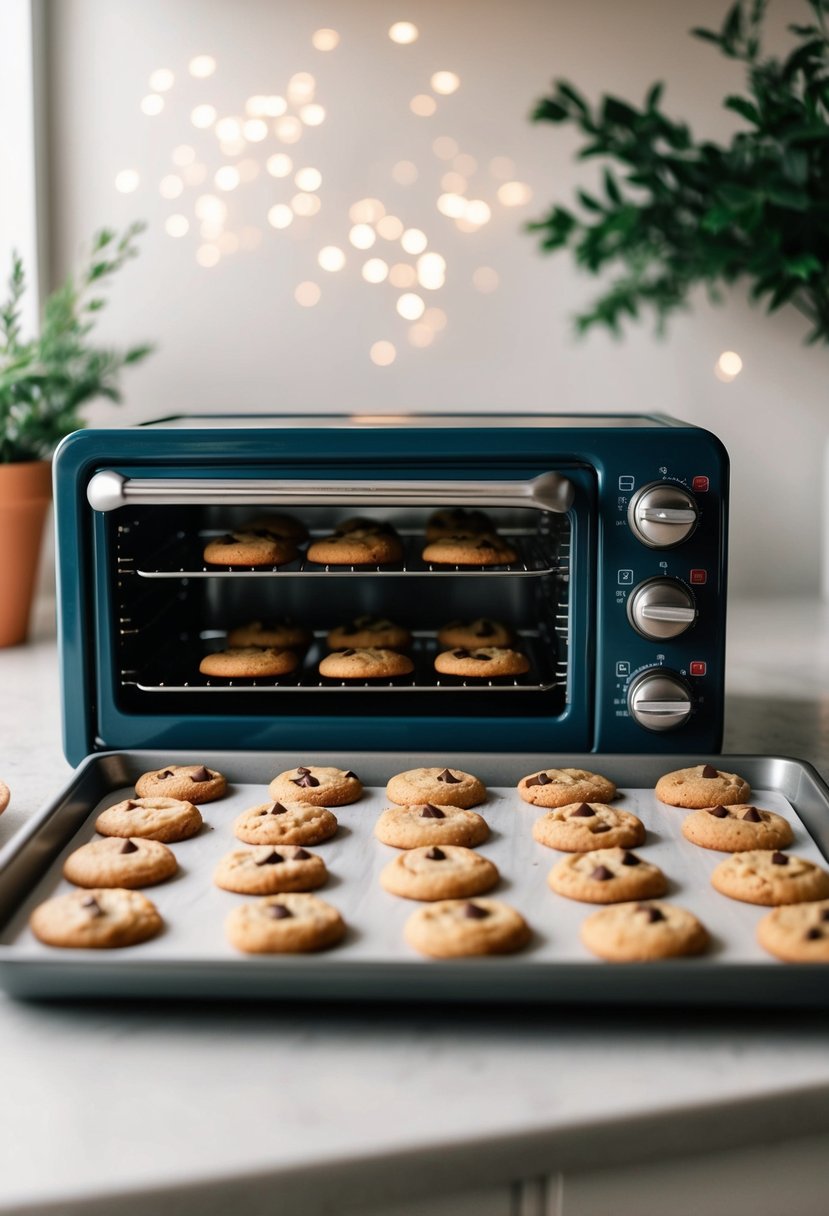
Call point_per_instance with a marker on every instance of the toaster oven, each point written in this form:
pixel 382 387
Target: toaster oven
pixel 616 594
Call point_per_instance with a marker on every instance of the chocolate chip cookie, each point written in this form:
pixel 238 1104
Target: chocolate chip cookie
pixel 484 663
pixel 606 876
pixel 797 933
pixel 449 521
pixel 482 631
pixel 769 878
pixel 189 782
pixel 640 933
pixel 359 547
pixel 285 823
pixel 365 663
pixel 164 819
pixel 470 549
pixel 104 918
pixel 279 634
pixel 120 862
pixel 450 872
pixel 288 527
pixel 439 786
pixel 702 786
pixel 736 829
pixel 285 924
pixel 258 548
pixel 267 870
pixel 249 662
pixel 563 786
pixel 421 825
pixel 452 928
pixel 369 631
pixel 582 826
pixel 317 786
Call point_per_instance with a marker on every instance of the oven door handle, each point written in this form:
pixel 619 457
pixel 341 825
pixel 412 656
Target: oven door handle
pixel 108 490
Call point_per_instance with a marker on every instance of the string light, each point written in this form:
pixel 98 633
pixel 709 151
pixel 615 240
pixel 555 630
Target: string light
pixel 325 40
pixel 435 318
pixel 305 204
pixel 431 271
pixel 203 116
pixel 279 165
pixel 288 129
pixel 453 183
pixel 421 335
pixel 445 83
pixel 728 366
pixel 161 80
pixel 208 207
pixel 366 211
pixel 404 33
pixel 477 212
pixel 451 205
pixel 389 227
pixel 226 178
pixel 177 225
pixel 362 236
pixel 514 194
pixel 255 130
pixel 383 354
pixel 301 87
pixel 402 275
pixel 308 179
pixel 202 66
pixel 410 306
pixel 126 181
pixel 331 258
pixel 414 241
pixel 423 105
pixel 280 216
pixel 307 294
pixel 152 104
pixel 375 270
pixel 312 115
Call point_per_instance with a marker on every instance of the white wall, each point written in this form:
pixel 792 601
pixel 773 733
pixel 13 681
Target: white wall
pixel 232 337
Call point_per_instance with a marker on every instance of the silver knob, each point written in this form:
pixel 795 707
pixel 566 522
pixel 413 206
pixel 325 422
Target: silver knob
pixel 662 515
pixel 659 700
pixel 661 608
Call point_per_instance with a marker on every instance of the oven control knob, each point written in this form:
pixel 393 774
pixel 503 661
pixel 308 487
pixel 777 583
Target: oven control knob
pixel 659 700
pixel 662 515
pixel 661 608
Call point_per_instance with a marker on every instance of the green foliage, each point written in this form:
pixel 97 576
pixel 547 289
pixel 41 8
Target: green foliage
pixel 45 380
pixel 673 212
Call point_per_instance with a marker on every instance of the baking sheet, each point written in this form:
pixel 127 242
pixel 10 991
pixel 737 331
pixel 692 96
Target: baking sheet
pixel 194 909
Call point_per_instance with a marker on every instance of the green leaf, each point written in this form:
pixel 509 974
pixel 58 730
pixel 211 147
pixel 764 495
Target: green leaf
pixel 619 113
pixel 611 187
pixel 654 96
pixel 548 110
pixel 567 90
pixel 741 106
pixel 803 265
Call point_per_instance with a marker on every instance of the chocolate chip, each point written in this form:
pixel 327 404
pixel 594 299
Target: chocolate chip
pixel 272 859
pixel 306 781
pixel 599 828
pixel 201 774
pixel 347 653
pixel 812 935
pixel 475 912
pixel 163 776
pixel 462 654
pixel 432 812
pixel 302 770
pixel 276 808
pixel 601 874
pixel 352 776
pixel 708 771
pixel 227 539
pixel 486 631
pixel 448 778
pixel 92 906
pixel 541 779
pixel 653 914
pixel 719 812
pixel 825 914
pixel 300 855
pixel 630 859
pixel 435 855
pixel 278 911
pixel 753 815
pixel 485 544
pixel 128 847
pixel 481 658
pixel 582 811
pixel 129 805
pixel 779 859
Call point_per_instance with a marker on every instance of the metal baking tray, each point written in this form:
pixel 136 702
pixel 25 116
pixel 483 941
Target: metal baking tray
pixel 191 958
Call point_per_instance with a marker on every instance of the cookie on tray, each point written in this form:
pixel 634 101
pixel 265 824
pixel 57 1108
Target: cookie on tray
pixel 285 924
pixel 360 547
pixel 482 631
pixel 440 786
pixel 453 928
pixel 365 663
pixel 582 826
pixel 421 825
pixel 770 878
pixel 4 797
pixel 103 918
pixel 702 786
pixel 470 549
pixel 267 870
pixel 449 521
pixel 606 876
pixel 737 829
pixel 249 549
pixel 450 872
pixel 317 786
pixel 484 663
pixel 280 633
pixel 640 933
pixel 189 782
pixel 279 823
pixel 797 933
pixel 369 631
pixel 120 862
pixel 563 786
pixel 164 819
pixel 248 662
pixel 288 527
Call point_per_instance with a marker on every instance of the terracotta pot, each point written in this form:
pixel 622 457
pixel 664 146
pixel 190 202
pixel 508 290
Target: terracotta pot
pixel 25 494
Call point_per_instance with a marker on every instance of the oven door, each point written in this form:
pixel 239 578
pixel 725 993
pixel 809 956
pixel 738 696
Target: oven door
pixel 141 607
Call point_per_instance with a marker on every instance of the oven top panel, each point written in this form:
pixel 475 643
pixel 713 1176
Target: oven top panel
pixel 417 421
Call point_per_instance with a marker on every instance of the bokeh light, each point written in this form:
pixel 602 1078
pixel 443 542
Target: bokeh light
pixel 161 80
pixel 208 255
pixel 325 40
pixel 226 178
pixel 514 194
pixel 255 130
pixel 445 83
pixel 362 236
pixel 307 294
pixel 301 88
pixel 421 335
pixel 410 306
pixel 170 186
pixel 177 225
pixel 288 129
pixel 203 116
pixel 402 275
pixel 423 105
pixel 413 240
pixel 183 155
pixel 279 165
pixel 313 115
pixel 403 33
pixel 308 178
pixel 445 147
pixel 390 228
pixel 404 172
pixel 366 211
pixel 331 258
pixel 305 204
pixel 202 66
pixel 383 354
pixel 375 270
pixel 152 104
pixel 280 216
pixel 728 366
pixel 126 181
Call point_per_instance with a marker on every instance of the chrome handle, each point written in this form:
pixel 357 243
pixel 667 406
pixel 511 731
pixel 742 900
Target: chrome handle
pixel 108 490
pixel 663 612
pixel 657 709
pixel 667 515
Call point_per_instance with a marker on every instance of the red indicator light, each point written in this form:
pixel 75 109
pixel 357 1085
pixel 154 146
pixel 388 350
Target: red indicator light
pixel 698 577
pixel 700 485
pixel 698 669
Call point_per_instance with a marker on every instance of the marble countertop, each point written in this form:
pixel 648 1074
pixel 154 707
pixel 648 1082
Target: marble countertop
pixel 211 1107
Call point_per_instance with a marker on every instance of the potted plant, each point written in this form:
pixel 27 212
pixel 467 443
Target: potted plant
pixel 673 212
pixel 44 382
